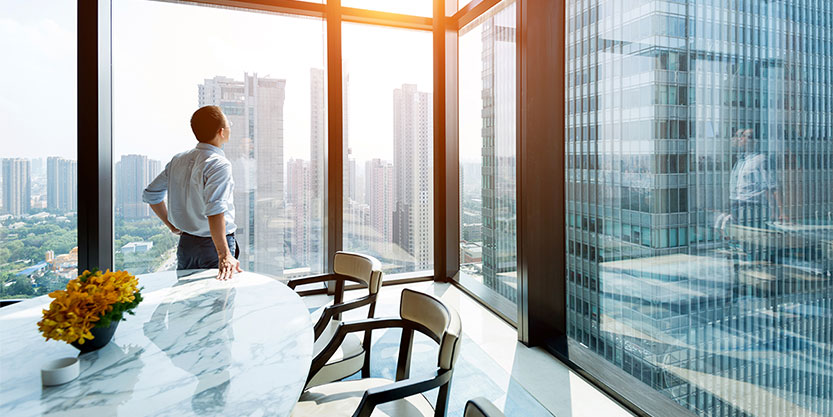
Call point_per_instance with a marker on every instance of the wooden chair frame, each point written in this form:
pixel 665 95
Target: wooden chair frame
pixel 339 306
pixel 404 386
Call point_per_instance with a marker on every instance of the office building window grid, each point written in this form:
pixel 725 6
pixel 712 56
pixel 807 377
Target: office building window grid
pixel 699 205
pixel 488 216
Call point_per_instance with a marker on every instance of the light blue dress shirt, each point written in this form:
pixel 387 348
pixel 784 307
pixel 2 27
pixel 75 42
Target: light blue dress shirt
pixel 198 184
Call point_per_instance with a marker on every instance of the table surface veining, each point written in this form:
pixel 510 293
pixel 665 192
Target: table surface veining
pixel 196 346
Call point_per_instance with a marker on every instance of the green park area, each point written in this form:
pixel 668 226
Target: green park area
pixel 24 242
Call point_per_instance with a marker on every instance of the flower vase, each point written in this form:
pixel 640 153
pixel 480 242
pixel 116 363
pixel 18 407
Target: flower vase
pixel 101 337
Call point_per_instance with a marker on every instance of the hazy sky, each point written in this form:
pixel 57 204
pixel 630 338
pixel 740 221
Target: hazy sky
pixel 37 78
pixel 162 51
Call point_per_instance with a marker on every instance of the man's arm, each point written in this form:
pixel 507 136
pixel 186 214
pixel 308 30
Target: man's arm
pixel 161 211
pixel 228 265
pixel 218 189
pixel 154 195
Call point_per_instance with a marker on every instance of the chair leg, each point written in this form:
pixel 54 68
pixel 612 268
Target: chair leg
pixel 442 400
pixel 367 346
pixel 403 364
pixel 367 343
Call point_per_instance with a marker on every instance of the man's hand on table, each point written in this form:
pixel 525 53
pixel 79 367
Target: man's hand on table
pixel 228 266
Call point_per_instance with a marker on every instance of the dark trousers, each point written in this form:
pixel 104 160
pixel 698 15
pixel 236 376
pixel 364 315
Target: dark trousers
pixel 756 216
pixel 194 252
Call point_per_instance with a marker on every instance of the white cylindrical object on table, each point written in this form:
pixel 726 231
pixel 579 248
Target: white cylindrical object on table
pixel 59 371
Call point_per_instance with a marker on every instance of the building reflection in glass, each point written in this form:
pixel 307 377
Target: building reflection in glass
pixel 700 215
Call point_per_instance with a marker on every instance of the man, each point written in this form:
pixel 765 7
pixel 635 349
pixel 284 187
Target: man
pixel 753 195
pixel 199 188
pixel 752 185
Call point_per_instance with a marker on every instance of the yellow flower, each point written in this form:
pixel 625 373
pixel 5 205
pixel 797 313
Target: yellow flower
pixel 74 312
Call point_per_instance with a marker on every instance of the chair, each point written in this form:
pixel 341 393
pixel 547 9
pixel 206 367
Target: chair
pixel 351 355
pixel 380 397
pixel 481 407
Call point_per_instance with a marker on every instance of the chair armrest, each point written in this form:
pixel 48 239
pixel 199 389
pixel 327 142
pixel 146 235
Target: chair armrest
pixel 351 327
pixel 484 406
pixel 399 390
pixel 336 309
pixel 309 280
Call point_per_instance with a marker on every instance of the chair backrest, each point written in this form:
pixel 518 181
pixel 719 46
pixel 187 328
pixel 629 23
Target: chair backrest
pixel 481 407
pixel 441 321
pixel 364 268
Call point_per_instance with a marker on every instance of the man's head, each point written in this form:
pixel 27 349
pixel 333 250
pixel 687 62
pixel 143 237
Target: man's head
pixel 744 138
pixel 210 125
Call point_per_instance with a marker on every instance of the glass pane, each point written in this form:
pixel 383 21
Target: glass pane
pixel 702 130
pixel 271 90
pixel 488 238
pixel 411 7
pixel 388 142
pixel 38 169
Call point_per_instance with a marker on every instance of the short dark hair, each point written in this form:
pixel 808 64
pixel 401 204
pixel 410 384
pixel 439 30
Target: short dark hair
pixel 206 121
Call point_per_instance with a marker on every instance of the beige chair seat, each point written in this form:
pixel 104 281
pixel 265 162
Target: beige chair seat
pixel 342 399
pixel 346 361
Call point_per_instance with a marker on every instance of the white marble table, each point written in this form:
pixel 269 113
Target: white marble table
pixel 196 346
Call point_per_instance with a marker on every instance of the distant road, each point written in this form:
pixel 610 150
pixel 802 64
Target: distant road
pixel 170 263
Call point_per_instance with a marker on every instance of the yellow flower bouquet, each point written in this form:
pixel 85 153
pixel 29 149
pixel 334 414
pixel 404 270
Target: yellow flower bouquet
pixel 94 300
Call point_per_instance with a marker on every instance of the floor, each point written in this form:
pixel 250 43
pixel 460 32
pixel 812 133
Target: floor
pixel 520 381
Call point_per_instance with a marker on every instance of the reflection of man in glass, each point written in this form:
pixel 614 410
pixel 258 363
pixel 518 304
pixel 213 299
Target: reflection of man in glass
pixel 195 333
pixel 753 192
pixel 752 187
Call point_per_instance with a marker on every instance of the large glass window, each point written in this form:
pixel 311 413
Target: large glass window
pixel 388 146
pixel 488 238
pixel 38 167
pixel 700 211
pixel 266 71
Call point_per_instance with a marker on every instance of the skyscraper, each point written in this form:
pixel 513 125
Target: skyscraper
pixel 38 167
pixel 317 171
pixel 413 218
pixel 299 197
pixel 133 174
pixel 255 107
pixel 699 199
pixel 17 185
pixel 61 184
pixel 498 191
pixel 379 195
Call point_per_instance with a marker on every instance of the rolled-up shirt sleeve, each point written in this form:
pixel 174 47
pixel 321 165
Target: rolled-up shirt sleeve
pixel 156 191
pixel 218 187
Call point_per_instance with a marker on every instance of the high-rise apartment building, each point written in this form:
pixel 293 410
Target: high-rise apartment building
pixel 413 217
pixel 379 195
pixel 498 191
pixel 61 184
pixel 299 197
pixel 699 199
pixel 133 174
pixel 318 146
pixel 17 185
pixel 255 107
pixel 38 167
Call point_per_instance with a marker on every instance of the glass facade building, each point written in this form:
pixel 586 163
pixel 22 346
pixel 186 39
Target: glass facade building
pixel 699 207
pixel 488 210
